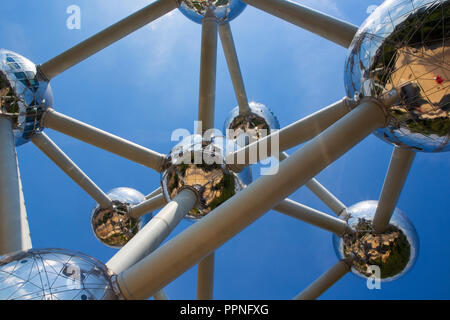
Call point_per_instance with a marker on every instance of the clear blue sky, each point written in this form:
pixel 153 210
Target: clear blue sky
pixel 146 85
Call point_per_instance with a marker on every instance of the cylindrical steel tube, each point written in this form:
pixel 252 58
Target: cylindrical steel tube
pixel 208 65
pixel 325 281
pixel 154 232
pixel 102 139
pixel 323 25
pixel 14 229
pixel 103 39
pixel 401 161
pixel 47 146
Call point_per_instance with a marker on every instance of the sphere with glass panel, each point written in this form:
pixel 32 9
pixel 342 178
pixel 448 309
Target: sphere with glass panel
pixel 54 274
pixel 394 251
pixel 24 95
pixel 115 226
pixel 404 46
pixel 197 163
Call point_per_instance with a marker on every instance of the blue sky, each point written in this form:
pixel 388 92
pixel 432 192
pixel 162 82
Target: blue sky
pixel 145 86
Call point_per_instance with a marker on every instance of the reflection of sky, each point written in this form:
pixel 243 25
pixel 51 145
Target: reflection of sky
pixel 147 84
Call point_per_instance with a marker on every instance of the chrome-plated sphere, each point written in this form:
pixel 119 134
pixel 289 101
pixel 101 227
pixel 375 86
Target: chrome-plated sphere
pixel 114 227
pixel 256 124
pixel 404 45
pixel 198 164
pixel 54 274
pixel 394 251
pixel 224 10
pixel 24 94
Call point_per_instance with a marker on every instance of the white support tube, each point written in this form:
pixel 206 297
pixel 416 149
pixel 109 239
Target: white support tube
pixel 161 295
pixel 181 253
pixel 14 229
pixel 208 65
pixel 229 49
pixel 47 146
pixel 105 38
pixel 205 278
pixel 294 134
pixel 321 24
pixel 102 139
pixel 321 192
pixel 326 196
pixel 154 193
pixel 312 216
pixel 148 205
pixel 325 281
pixel 401 161
pixel 154 232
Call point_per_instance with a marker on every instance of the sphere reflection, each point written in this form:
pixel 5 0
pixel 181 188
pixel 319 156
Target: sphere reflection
pixel 394 251
pixel 224 10
pixel 24 95
pixel 256 124
pixel 404 45
pixel 114 227
pixel 198 164
pixel 54 274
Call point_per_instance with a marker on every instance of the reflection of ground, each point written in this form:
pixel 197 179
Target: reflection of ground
pixel 428 72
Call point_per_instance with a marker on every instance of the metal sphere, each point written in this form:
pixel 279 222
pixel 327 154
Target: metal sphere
pixel 24 94
pixel 54 274
pixel 224 10
pixel 256 124
pixel 198 164
pixel 115 227
pixel 394 251
pixel 403 45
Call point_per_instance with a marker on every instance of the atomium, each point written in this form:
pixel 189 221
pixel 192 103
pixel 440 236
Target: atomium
pixel 223 10
pixel 198 164
pixel 394 251
pixel 24 94
pixel 403 45
pixel 114 226
pixel 54 274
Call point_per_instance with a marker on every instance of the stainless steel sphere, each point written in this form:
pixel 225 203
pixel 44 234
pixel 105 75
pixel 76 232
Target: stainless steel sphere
pixel 198 164
pixel 404 45
pixel 54 274
pixel 224 10
pixel 24 94
pixel 115 227
pixel 256 124
pixel 394 251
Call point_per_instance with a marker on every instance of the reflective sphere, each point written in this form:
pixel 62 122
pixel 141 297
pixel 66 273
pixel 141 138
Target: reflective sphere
pixel 224 10
pixel 404 45
pixel 115 227
pixel 198 164
pixel 24 94
pixel 256 124
pixel 394 251
pixel 54 274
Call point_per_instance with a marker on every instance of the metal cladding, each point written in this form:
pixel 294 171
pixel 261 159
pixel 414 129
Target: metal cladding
pixel 223 10
pixel 256 124
pixel 114 227
pixel 24 95
pixel 404 45
pixel 198 164
pixel 54 274
pixel 393 251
